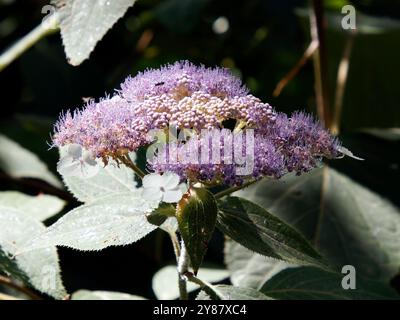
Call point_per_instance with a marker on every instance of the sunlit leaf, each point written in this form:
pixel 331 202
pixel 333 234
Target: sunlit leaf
pixel 19 162
pixel 38 268
pixel 83 23
pixel 40 207
pixel 111 221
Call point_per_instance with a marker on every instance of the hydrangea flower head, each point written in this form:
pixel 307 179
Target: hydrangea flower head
pixel 181 95
pixel 185 96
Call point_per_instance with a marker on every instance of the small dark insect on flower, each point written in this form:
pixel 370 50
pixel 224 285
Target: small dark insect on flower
pixel 159 83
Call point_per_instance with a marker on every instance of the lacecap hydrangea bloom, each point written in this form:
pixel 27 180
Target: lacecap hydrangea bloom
pixel 186 96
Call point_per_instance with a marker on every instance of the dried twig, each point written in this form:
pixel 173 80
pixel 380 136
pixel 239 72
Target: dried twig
pixel 7 282
pixel 341 81
pixel 320 61
pixel 313 46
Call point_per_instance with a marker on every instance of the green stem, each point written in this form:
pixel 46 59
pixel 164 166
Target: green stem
pixel 212 291
pixel 26 42
pixel 126 160
pixel 230 190
pixel 175 244
pixel 183 265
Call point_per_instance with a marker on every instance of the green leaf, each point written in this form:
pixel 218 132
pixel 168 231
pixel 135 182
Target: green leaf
pixel 19 162
pixel 313 283
pixel 164 217
pixel 111 221
pixel 170 224
pixel 165 281
pixel 248 269
pixel 39 268
pixel 103 295
pixel 225 292
pixel 196 215
pixel 391 134
pixel 89 20
pixel 110 179
pixel 159 216
pixel 40 207
pixel 347 222
pixel 256 229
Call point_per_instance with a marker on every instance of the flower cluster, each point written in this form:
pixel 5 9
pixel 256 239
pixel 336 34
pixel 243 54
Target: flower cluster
pixel 289 144
pixel 221 158
pixel 186 96
pixel 182 94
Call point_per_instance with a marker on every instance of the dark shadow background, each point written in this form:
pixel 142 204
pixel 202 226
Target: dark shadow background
pixel 263 42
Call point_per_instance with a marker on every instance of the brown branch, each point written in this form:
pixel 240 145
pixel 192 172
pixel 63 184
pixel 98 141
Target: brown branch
pixel 7 282
pixel 317 24
pixel 7 297
pixel 144 40
pixel 313 46
pixel 341 81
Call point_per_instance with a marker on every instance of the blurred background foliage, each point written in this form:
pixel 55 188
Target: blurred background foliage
pixel 260 40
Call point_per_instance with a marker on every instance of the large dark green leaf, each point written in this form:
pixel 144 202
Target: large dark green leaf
pixel 249 269
pixel 256 229
pixel 196 215
pixel 347 222
pixel 314 283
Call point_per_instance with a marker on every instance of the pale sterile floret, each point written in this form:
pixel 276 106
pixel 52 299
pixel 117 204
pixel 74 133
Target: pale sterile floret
pixel 165 187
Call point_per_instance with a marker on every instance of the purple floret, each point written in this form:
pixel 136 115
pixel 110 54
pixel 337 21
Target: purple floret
pixel 289 144
pixel 186 76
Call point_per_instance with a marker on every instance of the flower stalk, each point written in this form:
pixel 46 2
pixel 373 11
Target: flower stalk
pixel 231 190
pixel 126 160
pixel 183 268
